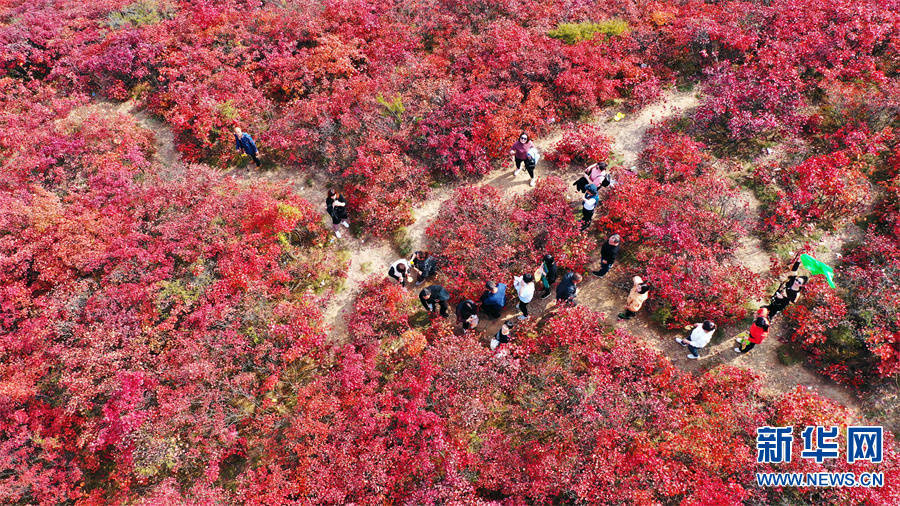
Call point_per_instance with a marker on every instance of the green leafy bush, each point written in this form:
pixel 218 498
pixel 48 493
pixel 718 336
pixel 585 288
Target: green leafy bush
pixel 142 12
pixel 571 33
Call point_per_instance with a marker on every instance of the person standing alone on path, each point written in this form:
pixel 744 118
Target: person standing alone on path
pixel 608 253
pixel 493 299
pixel 788 292
pixel 433 297
pixel 524 286
pixel 245 144
pixel 589 203
pixel 524 152
pixel 636 298
pixel 546 274
pixel 337 209
pixel 699 338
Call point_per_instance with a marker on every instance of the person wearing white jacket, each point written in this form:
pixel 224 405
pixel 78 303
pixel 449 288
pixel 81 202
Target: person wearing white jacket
pixel 399 271
pixel 524 286
pixel 698 339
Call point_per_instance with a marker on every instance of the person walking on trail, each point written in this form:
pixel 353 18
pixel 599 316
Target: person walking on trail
pixel 493 299
pixel 434 297
pixel 524 152
pixel 399 271
pixel 467 314
pixel 699 338
pixel 608 253
pixel 589 203
pixel 425 265
pixel 788 292
pixel 759 330
pixel 336 206
pixel 596 174
pixel 636 298
pixel 568 288
pixel 244 143
pixel 546 274
pixel 524 286
pixel 502 335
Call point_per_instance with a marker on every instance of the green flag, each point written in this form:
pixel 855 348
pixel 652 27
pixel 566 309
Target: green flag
pixel 816 267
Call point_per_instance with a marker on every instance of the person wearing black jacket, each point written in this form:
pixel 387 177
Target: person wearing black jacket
pixel 568 287
pixel 608 253
pixel 336 205
pixel 547 274
pixel 788 292
pixel 433 297
pixel 425 264
pixel 465 310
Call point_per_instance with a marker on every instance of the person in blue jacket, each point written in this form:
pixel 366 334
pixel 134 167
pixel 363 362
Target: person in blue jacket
pixel 493 299
pixel 243 142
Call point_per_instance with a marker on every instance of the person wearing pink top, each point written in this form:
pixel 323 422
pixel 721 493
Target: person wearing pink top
pixel 524 151
pixel 596 174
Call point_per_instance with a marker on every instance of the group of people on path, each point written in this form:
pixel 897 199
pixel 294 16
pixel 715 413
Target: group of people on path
pixel 435 298
pixel 493 300
pixel 787 293
pixel 596 176
pixel 422 263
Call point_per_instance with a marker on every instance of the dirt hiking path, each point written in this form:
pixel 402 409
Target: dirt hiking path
pixel 166 154
pixel 371 257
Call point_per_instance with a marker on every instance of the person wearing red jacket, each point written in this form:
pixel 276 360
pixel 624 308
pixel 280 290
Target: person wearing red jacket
pixel 759 330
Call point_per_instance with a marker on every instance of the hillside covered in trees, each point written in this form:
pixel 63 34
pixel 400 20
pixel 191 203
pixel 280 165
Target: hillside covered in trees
pixel 181 321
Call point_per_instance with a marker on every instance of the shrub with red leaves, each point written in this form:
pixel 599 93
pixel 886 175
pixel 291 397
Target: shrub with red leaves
pixel 582 146
pixel 673 156
pixel 482 236
pixel 853 334
pixel 562 417
pixel 148 324
pixel 683 237
pixel 825 191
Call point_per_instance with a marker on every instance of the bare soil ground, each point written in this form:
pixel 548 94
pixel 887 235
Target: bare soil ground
pixel 372 257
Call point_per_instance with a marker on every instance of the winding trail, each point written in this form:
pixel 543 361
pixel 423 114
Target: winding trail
pixel 370 257
pixel 166 154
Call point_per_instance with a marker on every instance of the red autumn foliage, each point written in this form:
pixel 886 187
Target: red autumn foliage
pixel 143 319
pixel 824 191
pixel 562 416
pixel 682 228
pixel 674 156
pixel 582 145
pixel 482 236
pixel 160 331
pixel 853 334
